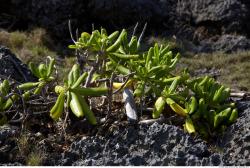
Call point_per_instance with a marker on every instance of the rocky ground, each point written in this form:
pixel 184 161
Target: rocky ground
pixel 120 144
pixel 156 144
pixel 199 26
pixel 163 145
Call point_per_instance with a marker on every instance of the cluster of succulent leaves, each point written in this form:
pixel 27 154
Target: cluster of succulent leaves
pixel 6 100
pixel 44 74
pixel 74 95
pixel 201 102
pixel 209 103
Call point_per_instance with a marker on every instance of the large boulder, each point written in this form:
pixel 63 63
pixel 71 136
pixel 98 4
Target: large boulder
pixel 52 15
pixel 214 25
pixel 230 14
pixel 123 12
pixel 226 43
pixel 12 67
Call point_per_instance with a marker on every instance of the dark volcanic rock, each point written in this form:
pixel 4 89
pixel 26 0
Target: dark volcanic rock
pixel 12 67
pixel 213 25
pixel 193 20
pixel 7 144
pixel 12 164
pixel 148 145
pixel 236 141
pixel 229 15
pixel 162 144
pixel 123 12
pixel 226 43
pixel 52 15
pixel 7 131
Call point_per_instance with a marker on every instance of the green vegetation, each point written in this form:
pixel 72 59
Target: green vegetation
pixel 233 68
pixel 74 94
pixel 171 42
pixel 115 61
pixel 6 100
pixel 43 73
pixel 201 101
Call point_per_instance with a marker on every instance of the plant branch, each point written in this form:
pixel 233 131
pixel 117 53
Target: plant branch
pixel 141 35
pixel 70 32
pixel 126 81
pixel 135 28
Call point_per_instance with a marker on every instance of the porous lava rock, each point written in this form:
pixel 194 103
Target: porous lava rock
pixel 157 144
pixel 163 145
pixel 12 67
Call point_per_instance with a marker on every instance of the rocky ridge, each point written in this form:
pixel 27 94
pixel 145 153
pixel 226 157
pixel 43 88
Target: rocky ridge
pixel 210 25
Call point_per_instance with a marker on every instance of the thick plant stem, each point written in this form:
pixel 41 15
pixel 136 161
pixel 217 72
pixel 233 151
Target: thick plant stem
pixel 91 72
pixel 89 78
pixel 141 98
pixel 109 97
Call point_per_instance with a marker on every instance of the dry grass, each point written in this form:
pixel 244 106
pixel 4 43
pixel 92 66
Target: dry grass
pixel 23 144
pixel 28 46
pixel 29 151
pixel 35 158
pixel 234 68
pixel 34 46
pixel 63 68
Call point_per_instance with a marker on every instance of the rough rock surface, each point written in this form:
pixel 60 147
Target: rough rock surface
pixel 162 144
pixel 52 15
pixel 6 132
pixel 7 144
pixel 148 145
pixel 193 20
pixel 214 25
pixel 236 141
pixel 227 43
pixel 12 67
pixel 227 15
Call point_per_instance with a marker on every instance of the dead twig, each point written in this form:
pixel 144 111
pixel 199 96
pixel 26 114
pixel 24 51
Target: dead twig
pixel 65 122
pixel 151 121
pixel 238 94
pixel 141 35
pixel 70 32
pixel 135 28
